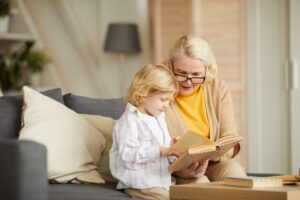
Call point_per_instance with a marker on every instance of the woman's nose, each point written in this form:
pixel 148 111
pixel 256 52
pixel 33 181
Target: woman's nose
pixel 188 82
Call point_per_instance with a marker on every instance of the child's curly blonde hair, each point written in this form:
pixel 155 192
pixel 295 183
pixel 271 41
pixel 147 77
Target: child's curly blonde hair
pixel 148 80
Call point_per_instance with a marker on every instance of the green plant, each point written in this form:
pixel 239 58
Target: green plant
pixel 17 66
pixel 4 8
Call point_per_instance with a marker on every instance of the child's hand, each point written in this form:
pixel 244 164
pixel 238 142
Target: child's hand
pixel 164 151
pixel 175 139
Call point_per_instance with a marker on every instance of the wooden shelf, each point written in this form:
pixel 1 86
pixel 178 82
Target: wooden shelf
pixel 15 37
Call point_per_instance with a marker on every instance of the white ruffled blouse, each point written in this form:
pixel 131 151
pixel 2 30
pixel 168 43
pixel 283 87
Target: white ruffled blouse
pixel 135 154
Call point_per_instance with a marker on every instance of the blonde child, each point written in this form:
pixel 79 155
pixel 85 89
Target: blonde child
pixel 140 150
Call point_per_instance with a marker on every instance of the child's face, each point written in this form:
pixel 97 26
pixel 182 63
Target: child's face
pixel 156 103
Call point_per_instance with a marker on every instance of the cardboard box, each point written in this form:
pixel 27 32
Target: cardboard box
pixel 217 191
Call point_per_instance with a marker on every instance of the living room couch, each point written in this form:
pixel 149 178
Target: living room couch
pixel 23 168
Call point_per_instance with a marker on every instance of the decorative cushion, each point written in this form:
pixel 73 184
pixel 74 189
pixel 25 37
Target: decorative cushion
pixel 10 112
pixel 74 146
pixel 113 108
pixel 105 125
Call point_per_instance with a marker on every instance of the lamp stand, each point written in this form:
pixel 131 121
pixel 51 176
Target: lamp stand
pixel 122 73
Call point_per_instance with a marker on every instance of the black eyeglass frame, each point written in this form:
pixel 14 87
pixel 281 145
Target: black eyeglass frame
pixel 189 78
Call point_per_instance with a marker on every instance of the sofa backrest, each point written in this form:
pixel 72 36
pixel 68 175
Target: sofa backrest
pixel 11 109
pixel 113 108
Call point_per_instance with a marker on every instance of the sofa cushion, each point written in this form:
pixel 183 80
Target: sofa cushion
pixel 113 108
pixel 88 192
pixel 105 125
pixel 74 146
pixel 10 112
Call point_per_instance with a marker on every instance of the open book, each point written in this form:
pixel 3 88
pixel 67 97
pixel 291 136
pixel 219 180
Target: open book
pixel 253 181
pixel 195 147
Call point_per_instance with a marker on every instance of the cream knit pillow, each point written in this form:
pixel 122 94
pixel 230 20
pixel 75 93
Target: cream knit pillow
pixel 105 125
pixel 74 146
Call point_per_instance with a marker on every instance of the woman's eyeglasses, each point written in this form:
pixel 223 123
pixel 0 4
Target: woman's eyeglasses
pixel 194 80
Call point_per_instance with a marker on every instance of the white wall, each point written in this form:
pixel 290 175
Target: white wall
pixel 268 97
pixel 295 84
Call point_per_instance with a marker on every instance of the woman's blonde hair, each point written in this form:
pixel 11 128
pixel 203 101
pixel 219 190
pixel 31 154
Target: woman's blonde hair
pixel 150 79
pixel 197 48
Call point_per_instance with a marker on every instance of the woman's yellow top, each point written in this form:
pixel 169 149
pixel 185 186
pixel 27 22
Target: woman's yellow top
pixel 193 110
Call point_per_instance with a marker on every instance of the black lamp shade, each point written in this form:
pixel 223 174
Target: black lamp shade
pixel 122 38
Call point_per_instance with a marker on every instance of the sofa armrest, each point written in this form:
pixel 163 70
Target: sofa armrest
pixel 23 170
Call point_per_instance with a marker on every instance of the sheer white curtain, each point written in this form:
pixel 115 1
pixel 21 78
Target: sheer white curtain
pixel 60 26
pixel 72 31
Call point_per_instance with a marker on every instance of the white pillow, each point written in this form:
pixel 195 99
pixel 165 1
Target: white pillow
pixel 74 146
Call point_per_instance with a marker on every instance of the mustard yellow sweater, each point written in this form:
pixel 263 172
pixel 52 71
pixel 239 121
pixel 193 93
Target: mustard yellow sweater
pixel 193 111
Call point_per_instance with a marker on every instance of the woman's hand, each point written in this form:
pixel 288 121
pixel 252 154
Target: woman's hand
pixel 195 170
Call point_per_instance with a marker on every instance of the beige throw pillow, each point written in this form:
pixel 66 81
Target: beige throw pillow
pixel 105 126
pixel 74 146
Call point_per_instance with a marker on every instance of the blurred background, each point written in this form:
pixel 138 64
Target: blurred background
pixel 73 44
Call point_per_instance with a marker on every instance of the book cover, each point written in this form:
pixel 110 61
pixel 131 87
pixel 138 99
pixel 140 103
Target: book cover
pixel 195 147
pixel 253 181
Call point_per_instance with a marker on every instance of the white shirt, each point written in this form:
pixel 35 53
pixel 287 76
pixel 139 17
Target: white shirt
pixel 135 153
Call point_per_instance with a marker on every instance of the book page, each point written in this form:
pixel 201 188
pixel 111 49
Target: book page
pixel 222 149
pixel 190 140
pixel 228 139
pixel 187 159
pixel 252 181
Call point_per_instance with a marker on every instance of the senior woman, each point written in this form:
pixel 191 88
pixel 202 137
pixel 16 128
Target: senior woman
pixel 203 105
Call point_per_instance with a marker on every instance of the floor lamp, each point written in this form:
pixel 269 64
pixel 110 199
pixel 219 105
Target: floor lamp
pixel 122 38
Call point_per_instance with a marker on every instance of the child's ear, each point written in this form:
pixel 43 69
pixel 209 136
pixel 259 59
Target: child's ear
pixel 140 98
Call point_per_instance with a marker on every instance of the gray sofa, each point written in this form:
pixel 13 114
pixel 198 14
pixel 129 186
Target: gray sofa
pixel 23 168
